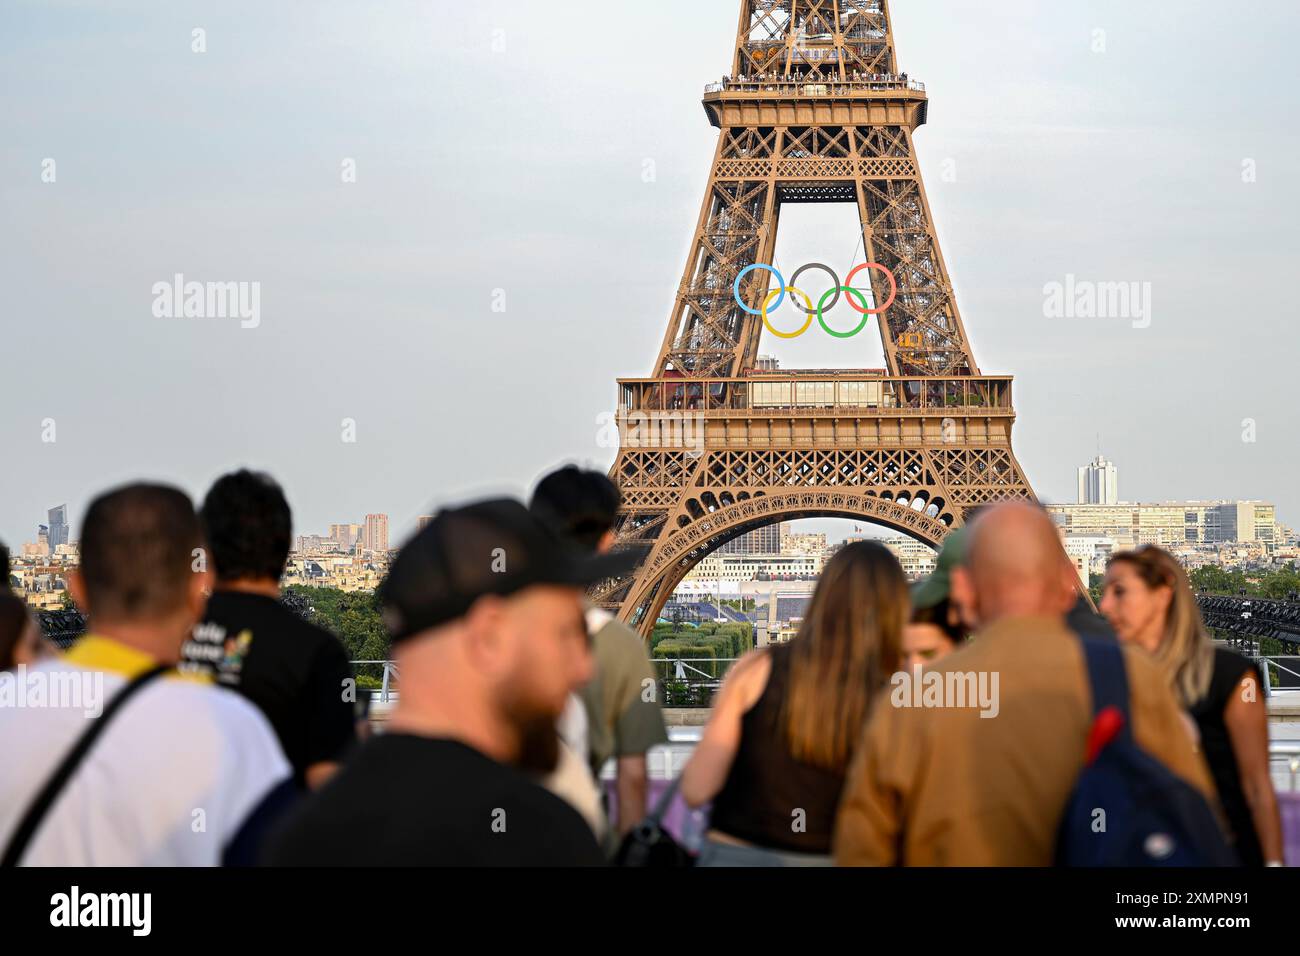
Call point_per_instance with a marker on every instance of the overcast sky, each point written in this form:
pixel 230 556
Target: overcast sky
pixel 503 144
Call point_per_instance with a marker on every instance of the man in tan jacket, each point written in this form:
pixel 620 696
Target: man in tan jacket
pixel 971 762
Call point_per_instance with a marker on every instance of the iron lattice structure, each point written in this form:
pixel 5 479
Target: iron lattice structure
pixel 814 110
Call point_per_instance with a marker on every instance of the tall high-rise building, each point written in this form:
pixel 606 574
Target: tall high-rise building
pixel 58 526
pixel 766 540
pixel 345 536
pixel 374 537
pixel 423 522
pixel 1099 483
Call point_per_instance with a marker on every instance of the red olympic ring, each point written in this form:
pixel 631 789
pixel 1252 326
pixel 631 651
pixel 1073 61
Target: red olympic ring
pixel 893 287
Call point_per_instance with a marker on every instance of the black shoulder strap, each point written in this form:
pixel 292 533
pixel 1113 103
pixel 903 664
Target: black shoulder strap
pixel 40 806
pixel 665 800
pixel 1106 674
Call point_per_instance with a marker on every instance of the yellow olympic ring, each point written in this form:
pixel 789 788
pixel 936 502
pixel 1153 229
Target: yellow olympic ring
pixel 768 302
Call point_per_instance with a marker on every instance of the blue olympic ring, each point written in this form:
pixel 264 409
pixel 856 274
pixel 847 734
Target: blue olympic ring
pixel 780 281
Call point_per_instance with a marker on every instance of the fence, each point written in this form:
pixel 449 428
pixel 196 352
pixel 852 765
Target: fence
pixel 689 681
pixel 681 681
pixel 387 680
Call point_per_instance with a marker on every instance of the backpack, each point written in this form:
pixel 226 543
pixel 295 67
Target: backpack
pixel 1152 817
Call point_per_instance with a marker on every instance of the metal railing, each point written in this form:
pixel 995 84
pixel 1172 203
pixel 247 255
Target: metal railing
pixel 389 678
pixel 1290 752
pixel 1270 662
pixel 816 86
pixel 846 390
pixel 684 667
pixel 689 682
pixel 688 671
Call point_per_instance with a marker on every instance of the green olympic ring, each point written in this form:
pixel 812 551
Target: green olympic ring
pixel 821 320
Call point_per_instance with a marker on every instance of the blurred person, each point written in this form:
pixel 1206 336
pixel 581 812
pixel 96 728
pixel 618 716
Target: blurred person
pixel 1084 617
pixel 175 753
pixel 788 717
pixel 972 785
pixel 572 779
pixel 930 636
pixel 623 720
pixel 20 635
pixel 1150 603
pixel 1084 620
pixel 485 611
pixel 935 629
pixel 296 673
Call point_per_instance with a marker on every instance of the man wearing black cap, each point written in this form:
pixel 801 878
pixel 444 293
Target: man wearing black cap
pixel 485 610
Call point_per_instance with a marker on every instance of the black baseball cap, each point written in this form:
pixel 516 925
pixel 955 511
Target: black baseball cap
pixel 492 547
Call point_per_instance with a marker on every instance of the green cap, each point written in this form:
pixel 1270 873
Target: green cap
pixel 937 587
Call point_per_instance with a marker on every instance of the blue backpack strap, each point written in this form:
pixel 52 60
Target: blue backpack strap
pixel 1106 674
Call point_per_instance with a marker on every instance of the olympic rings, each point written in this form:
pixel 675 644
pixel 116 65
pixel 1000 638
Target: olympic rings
pixel 767 303
pixel 832 294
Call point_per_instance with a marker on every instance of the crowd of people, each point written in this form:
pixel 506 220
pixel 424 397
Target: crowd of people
pixel 856 76
pixel 214 726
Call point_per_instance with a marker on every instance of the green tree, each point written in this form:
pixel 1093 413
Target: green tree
pixel 1215 580
pixel 1095 582
pixel 353 617
pixel 1281 584
pixel 1276 585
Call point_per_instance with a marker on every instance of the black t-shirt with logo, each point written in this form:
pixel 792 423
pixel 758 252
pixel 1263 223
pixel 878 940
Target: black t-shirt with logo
pixel 297 674
pixel 417 801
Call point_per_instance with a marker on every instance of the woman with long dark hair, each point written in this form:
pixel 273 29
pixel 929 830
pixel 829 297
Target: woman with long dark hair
pixel 1149 602
pixel 788 718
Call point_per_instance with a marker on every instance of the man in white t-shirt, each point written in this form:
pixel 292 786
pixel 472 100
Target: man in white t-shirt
pixel 186 773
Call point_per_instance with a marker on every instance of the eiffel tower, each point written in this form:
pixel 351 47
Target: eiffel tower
pixel 815 110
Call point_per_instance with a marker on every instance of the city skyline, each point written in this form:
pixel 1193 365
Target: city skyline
pixel 1047 171
pixel 836 529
